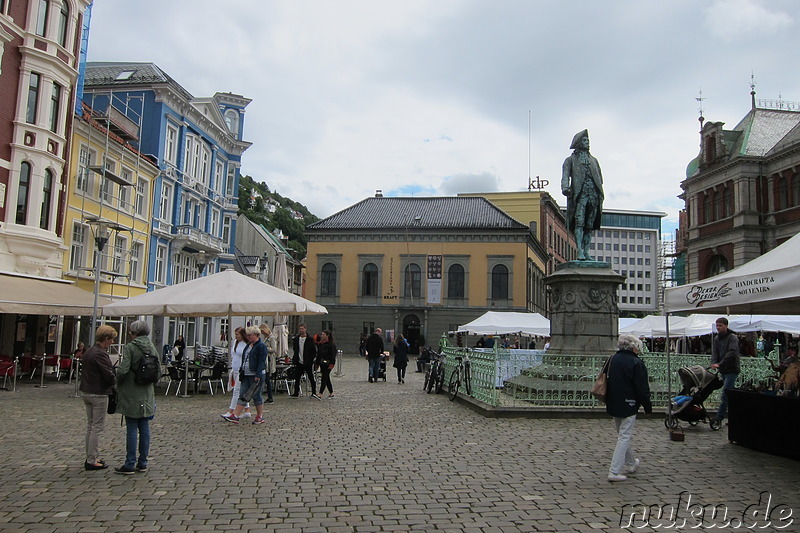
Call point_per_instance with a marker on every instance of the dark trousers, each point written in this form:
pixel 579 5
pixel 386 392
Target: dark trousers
pixel 325 381
pixel 305 369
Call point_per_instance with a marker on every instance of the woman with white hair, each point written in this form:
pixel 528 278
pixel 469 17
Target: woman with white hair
pixel 627 390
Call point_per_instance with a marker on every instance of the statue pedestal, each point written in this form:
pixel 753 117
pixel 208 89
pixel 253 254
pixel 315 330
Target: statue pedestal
pixel 584 317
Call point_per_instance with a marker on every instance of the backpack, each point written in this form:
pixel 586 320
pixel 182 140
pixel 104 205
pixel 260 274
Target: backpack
pixel 148 371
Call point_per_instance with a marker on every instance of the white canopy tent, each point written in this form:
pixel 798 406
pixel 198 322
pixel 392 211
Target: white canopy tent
pixel 701 324
pixel 767 284
pixel 505 323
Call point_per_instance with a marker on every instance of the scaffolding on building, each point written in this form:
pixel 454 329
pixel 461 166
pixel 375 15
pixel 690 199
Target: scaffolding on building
pixel 666 260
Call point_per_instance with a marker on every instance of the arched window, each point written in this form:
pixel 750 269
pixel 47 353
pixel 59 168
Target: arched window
pixel 707 215
pixel 455 281
pixel 63 23
pixel 783 193
pixel 328 280
pixel 47 195
pixel 413 281
pixel 22 192
pixel 232 120
pixel 717 265
pixel 369 280
pixel 500 282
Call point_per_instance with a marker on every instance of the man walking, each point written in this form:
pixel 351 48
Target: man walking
pixel 374 353
pixel 305 353
pixel 725 358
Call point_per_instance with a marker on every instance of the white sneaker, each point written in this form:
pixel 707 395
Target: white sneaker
pixel 247 414
pixel 616 477
pixel 632 468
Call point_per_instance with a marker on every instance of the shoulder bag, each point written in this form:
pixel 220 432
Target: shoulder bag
pixel 601 383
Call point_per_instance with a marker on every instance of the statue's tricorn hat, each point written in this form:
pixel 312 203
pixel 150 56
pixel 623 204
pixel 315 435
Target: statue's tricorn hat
pixel 576 141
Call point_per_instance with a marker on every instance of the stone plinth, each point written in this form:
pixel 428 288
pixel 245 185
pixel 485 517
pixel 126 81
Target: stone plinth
pixel 584 317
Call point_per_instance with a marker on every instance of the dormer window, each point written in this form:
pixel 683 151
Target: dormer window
pixel 711 148
pixel 232 121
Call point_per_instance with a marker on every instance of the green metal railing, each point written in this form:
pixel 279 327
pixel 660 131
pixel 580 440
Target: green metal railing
pixel 532 378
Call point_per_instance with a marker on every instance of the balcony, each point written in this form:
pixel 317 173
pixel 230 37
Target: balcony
pixel 189 236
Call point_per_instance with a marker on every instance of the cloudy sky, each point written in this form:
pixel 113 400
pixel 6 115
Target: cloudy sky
pixel 437 97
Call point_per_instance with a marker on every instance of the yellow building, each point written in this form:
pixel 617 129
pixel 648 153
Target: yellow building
pixel 420 267
pixel 541 213
pixel 109 199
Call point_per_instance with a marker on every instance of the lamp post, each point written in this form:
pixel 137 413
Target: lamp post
pixel 101 234
pixel 202 259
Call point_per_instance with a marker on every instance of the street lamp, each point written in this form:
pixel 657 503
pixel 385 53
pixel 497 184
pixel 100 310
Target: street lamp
pixel 100 228
pixel 202 259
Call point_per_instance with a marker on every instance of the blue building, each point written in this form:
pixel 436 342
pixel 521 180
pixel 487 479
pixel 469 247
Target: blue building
pixel 197 145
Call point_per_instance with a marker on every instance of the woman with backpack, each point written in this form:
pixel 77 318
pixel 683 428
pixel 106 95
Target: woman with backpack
pixel 135 400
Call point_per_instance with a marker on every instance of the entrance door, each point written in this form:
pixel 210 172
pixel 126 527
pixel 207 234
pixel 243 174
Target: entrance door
pixel 411 331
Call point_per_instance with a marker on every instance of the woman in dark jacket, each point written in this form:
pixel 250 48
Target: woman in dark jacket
pixel 253 373
pixel 97 381
pixel 136 402
pixel 400 358
pixel 326 356
pixel 627 390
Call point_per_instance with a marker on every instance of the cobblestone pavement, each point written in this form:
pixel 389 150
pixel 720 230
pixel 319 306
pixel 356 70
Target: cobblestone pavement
pixel 377 457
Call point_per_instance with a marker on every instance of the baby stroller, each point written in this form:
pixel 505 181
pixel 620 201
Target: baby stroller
pixel 698 384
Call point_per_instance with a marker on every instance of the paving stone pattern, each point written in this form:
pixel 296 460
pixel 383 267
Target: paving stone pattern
pixel 377 457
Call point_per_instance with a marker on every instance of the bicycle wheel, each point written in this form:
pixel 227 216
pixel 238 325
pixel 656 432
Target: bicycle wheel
pixel 468 378
pixel 455 382
pixel 432 379
pixel 439 379
pixel 427 379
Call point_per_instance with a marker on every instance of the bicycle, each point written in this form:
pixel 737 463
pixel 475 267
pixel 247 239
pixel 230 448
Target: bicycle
pixel 460 373
pixel 434 377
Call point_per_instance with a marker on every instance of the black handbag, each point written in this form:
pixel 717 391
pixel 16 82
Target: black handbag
pixel 250 392
pixel 112 402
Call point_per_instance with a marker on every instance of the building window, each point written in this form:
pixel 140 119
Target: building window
pixel 47 197
pixel 727 200
pixel 77 251
pixel 55 107
pixel 717 206
pixel 232 121
pixel 328 280
pixel 226 230
pixel 141 197
pixel 161 261
pixel 63 23
pixel 783 193
pixel 41 20
pixel 171 145
pixel 706 218
pixel 84 161
pixel 413 281
pixel 107 191
pixel 33 98
pixel 214 229
pixel 500 282
pixel 796 189
pixel 118 258
pixel 22 192
pixel 165 209
pixel 219 177
pixel 369 280
pixel 230 182
pixel 137 252
pixel 455 281
pixel 717 265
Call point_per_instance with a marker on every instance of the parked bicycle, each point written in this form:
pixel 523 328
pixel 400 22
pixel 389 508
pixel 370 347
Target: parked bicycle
pixel 434 377
pixel 460 374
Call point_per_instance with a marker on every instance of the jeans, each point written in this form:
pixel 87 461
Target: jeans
pixel 96 405
pixel 401 374
pixel 138 431
pixel 309 371
pixel 257 398
pixel 374 367
pixel 728 381
pixel 623 452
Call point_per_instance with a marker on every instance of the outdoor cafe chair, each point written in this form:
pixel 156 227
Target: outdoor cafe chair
pixel 217 372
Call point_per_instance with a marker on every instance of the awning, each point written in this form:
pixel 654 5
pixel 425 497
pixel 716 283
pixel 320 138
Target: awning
pixel 37 296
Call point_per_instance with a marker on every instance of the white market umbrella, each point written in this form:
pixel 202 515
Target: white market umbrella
pixel 225 293
pixel 508 322
pixel 280 323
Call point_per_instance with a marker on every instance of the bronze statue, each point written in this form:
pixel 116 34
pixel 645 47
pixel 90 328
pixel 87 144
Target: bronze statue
pixel 582 184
